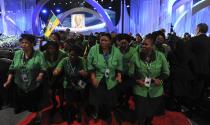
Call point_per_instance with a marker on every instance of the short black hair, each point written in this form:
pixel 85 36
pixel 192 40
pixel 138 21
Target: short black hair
pixel 57 35
pixel 31 38
pixel 52 43
pixel 187 35
pixel 77 49
pixel 203 27
pixel 123 36
pixel 151 37
pixel 107 35
pixel 92 38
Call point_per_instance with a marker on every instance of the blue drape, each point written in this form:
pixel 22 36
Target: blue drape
pixel 144 16
pixel 18 15
pixel 125 19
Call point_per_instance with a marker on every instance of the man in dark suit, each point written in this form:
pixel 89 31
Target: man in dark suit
pixel 199 47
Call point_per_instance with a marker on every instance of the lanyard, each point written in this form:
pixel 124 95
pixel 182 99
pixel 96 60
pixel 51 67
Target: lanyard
pixel 149 67
pixel 106 58
pixel 72 69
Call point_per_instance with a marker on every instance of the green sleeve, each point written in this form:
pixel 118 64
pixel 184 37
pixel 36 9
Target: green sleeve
pixel 131 69
pixel 84 43
pixel 90 58
pixel 63 53
pixel 120 62
pixel 43 63
pixel 84 64
pixel 11 68
pixel 61 64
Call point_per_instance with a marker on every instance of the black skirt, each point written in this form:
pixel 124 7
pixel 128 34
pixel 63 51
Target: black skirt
pixel 102 101
pixel 148 107
pixel 102 96
pixel 30 101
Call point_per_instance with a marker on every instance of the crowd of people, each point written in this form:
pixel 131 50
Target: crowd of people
pixel 103 73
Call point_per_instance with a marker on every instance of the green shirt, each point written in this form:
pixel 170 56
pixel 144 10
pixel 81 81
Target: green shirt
pixel 70 71
pixel 127 59
pixel 53 64
pixel 141 70
pixel 25 72
pixel 97 63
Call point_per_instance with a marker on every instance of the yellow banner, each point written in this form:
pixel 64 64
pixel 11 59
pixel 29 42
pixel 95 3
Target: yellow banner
pixel 53 23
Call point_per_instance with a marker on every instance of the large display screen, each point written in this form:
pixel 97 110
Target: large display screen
pixel 77 21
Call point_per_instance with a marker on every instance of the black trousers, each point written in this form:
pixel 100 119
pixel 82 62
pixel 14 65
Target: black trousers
pixel 74 99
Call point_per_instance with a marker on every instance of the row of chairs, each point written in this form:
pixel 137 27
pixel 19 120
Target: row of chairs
pixel 6 96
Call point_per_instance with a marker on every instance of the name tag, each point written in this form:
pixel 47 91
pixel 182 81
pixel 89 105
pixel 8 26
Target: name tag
pixel 25 77
pixel 106 73
pixel 147 81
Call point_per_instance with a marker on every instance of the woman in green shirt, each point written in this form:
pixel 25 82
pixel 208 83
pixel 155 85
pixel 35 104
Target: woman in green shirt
pixel 74 85
pixel 125 89
pixel 104 63
pixel 27 69
pixel 149 68
pixel 53 56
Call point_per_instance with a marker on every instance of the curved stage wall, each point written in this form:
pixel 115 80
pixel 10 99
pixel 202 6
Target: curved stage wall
pixel 20 16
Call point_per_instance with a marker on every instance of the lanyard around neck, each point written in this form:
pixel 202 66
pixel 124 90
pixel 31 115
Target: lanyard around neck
pixel 148 67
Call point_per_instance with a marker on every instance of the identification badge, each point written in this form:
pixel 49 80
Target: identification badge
pixel 106 74
pixel 81 84
pixel 24 77
pixel 147 81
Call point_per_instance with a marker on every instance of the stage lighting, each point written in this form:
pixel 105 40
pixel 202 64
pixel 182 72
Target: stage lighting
pixel 128 6
pixel 44 11
pixel 110 7
pixel 58 10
